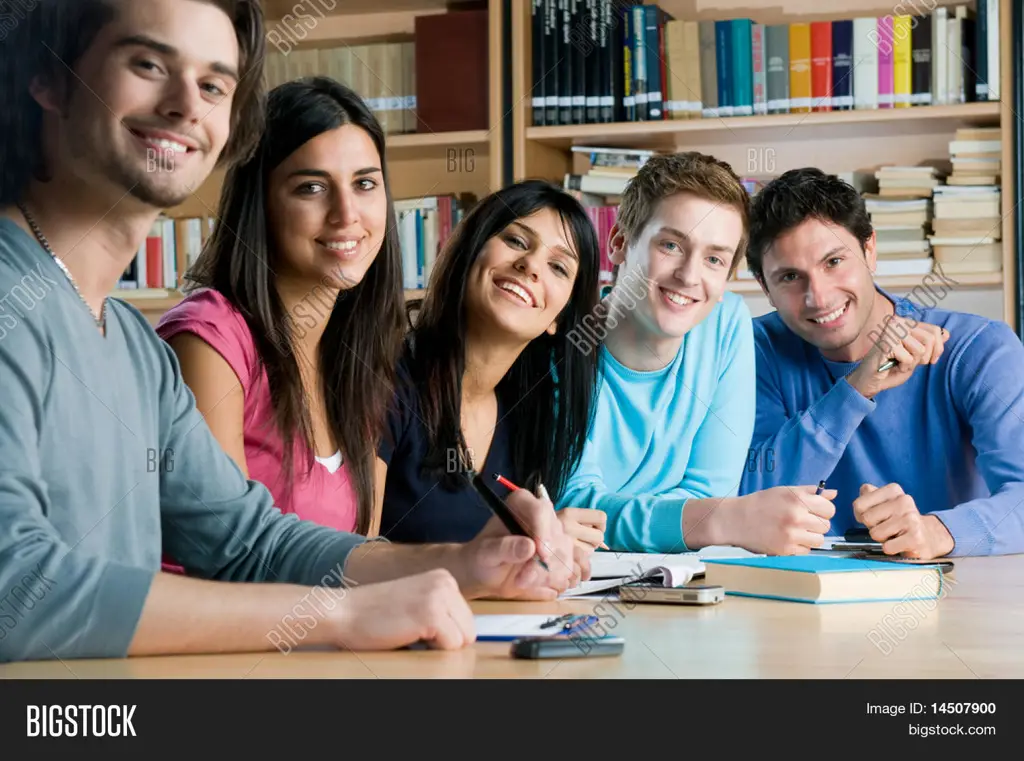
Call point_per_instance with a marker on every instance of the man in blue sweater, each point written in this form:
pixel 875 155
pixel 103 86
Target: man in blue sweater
pixel 926 453
pixel 675 406
pixel 115 109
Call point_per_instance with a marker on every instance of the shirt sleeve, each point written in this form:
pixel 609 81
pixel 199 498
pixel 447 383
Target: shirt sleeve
pixel 798 446
pixel 988 387
pixel 219 525
pixel 209 316
pixel 56 600
pixel 654 522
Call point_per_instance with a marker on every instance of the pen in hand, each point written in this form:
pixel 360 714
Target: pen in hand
pixel 542 493
pixel 503 511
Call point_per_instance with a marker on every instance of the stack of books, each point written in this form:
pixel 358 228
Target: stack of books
pixel 976 156
pixel 967 229
pixel 608 172
pixel 900 234
pixel 907 181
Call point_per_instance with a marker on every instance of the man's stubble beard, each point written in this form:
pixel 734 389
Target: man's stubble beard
pixel 135 180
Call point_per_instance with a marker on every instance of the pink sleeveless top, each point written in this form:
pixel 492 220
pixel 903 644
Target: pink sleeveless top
pixel 326 494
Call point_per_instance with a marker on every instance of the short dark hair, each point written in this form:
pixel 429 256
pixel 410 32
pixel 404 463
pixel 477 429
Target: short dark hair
pixel 692 172
pixel 796 196
pixel 50 41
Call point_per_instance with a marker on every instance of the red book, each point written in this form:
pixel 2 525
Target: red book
pixel 154 258
pixel 821 65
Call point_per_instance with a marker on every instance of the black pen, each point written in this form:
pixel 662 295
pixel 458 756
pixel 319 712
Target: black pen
pixel 821 488
pixel 499 508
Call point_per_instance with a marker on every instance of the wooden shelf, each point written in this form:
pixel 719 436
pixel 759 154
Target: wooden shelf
pixel 671 132
pixel 399 143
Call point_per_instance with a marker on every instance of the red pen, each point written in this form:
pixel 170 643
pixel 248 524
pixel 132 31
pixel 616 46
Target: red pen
pixel 541 492
pixel 504 482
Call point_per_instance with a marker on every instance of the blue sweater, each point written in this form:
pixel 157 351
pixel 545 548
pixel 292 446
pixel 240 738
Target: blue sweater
pixel 951 435
pixel 662 438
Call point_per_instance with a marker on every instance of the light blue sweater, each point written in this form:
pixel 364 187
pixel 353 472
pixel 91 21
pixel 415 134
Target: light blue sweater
pixel 952 435
pixel 662 438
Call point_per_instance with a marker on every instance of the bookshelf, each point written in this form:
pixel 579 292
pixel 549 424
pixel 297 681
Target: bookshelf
pixel 421 163
pixel 769 144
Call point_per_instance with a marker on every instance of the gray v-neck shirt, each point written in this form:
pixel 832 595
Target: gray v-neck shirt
pixel 105 464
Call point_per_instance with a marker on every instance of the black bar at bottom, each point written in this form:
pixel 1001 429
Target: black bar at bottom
pixel 204 717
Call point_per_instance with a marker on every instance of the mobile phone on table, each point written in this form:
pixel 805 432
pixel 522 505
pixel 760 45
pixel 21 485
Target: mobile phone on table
pixel 706 594
pixel 566 647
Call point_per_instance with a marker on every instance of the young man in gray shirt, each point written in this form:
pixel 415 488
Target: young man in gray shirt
pixel 114 111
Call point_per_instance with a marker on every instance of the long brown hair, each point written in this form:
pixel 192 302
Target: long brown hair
pixel 362 339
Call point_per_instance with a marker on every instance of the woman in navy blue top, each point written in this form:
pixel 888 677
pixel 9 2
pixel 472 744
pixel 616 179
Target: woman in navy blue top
pixel 489 380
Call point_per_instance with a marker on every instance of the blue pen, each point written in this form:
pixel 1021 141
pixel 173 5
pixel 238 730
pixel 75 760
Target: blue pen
pixel 579 623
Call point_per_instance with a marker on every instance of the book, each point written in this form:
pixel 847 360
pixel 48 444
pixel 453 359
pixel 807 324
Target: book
pixel 666 570
pixel 823 580
pixel 610 570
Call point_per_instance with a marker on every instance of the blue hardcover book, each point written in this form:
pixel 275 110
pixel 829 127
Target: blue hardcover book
pixel 742 67
pixel 842 71
pixel 824 579
pixel 723 53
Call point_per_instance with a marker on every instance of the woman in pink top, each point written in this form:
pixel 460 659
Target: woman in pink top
pixel 293 322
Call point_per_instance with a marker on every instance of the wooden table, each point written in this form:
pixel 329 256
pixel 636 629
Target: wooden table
pixel 976 630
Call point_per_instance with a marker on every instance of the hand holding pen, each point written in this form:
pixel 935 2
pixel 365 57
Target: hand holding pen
pixel 528 524
pixel 585 527
pixel 901 346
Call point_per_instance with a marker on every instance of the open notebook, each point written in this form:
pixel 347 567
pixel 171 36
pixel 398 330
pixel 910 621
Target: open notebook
pixel 610 570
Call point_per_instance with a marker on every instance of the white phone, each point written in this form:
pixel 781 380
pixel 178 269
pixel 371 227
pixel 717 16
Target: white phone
pixel 707 594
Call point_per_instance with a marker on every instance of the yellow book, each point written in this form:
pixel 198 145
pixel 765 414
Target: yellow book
pixel 800 67
pixel 902 58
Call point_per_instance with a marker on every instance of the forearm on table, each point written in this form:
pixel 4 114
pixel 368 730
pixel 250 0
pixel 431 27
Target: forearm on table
pixel 377 561
pixel 184 616
pixel 806 447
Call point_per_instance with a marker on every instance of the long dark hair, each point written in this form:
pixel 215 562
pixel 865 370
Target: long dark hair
pixel 549 390
pixel 51 40
pixel 363 336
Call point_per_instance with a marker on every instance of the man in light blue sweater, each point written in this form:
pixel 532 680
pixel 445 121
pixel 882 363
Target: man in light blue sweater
pixel 115 109
pixel 925 454
pixel 675 408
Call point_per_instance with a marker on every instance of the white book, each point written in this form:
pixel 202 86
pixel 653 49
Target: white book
pixel 610 570
pixel 954 58
pixel 865 63
pixel 408 240
pixel 888 267
pixel 940 39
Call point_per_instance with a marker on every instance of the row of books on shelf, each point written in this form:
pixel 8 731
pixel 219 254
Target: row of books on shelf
pixel 384 74
pixel 406 83
pixel 598 61
pixel 171 247
pixel 424 225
